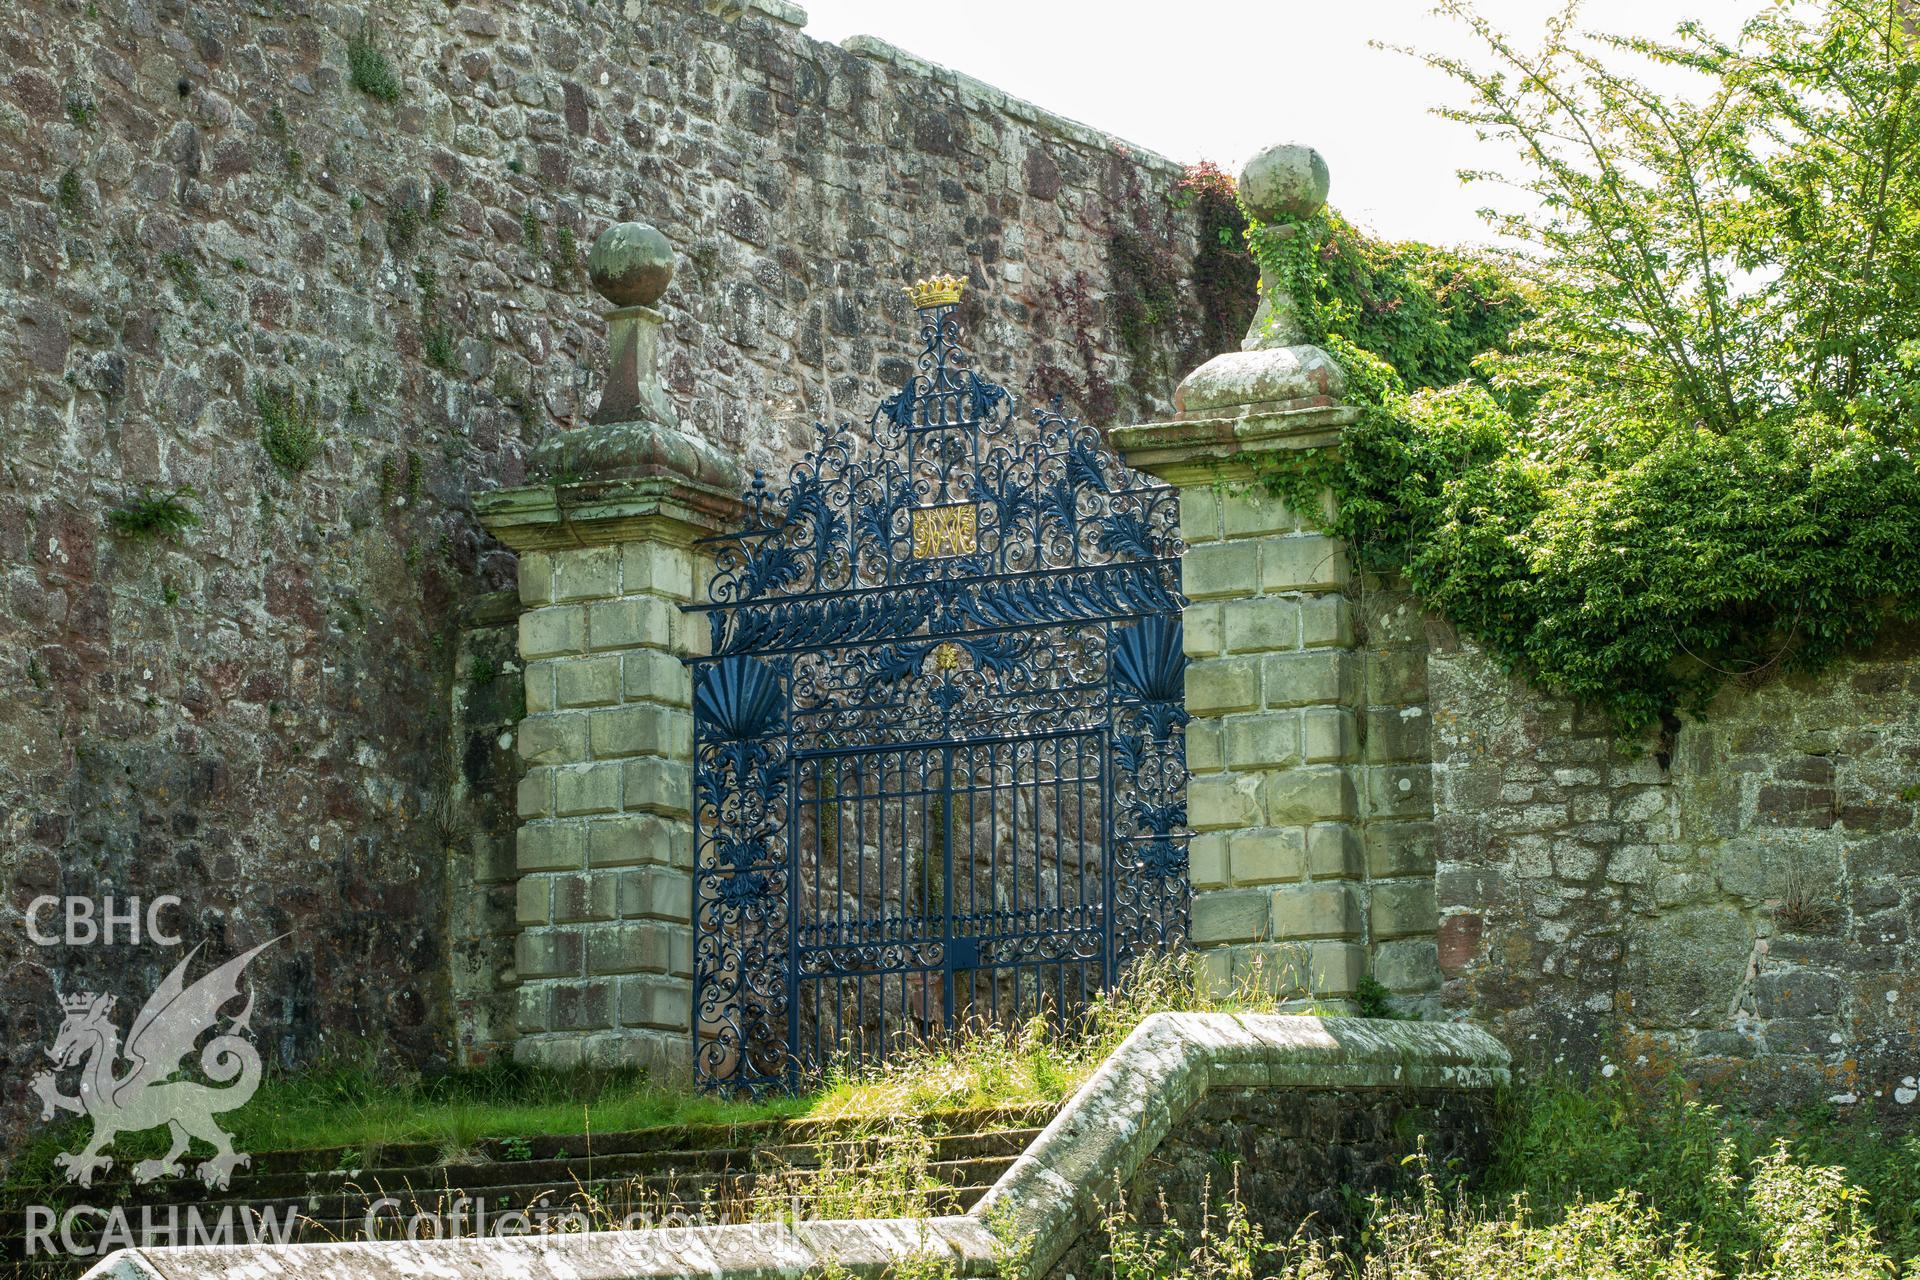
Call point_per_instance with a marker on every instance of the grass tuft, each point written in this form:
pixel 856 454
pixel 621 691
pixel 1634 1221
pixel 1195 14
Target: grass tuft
pixel 1040 1063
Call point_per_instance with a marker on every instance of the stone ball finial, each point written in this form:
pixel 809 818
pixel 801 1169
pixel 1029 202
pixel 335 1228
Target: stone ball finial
pixel 1284 181
pixel 631 264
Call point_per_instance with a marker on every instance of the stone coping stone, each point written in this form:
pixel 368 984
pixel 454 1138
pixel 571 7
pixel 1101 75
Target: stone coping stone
pixel 973 92
pixel 1053 1192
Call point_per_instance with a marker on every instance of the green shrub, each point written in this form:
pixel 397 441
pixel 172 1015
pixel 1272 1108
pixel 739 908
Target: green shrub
pixel 1674 443
pixel 1561 1145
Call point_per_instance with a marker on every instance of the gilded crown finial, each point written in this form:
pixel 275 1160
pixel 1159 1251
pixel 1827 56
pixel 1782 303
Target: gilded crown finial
pixel 939 291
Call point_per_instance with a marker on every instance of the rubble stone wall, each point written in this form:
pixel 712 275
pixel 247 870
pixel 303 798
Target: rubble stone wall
pixel 1739 900
pixel 210 236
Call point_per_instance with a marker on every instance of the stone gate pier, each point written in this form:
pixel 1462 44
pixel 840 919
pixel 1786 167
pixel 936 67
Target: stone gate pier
pixel 1310 796
pixel 604 854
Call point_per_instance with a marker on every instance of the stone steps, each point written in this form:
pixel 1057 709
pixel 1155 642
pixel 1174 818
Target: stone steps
pixel 705 1173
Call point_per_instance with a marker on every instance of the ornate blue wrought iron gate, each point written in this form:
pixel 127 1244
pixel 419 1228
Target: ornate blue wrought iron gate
pixel 939 764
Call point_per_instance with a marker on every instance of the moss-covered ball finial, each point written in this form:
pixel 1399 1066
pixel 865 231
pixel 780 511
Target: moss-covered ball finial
pixel 631 264
pixel 1285 181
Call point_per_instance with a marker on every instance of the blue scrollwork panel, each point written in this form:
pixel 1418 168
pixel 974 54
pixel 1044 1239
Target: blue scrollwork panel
pixel 742 873
pixel 1150 896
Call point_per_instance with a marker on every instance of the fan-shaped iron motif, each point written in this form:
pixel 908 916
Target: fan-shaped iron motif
pixel 1149 660
pixel 939 767
pixel 736 698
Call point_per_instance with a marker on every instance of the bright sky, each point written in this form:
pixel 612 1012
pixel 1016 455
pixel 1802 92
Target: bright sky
pixel 1220 79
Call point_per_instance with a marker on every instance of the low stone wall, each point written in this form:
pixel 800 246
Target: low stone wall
pixel 1307 1099
pixel 1739 900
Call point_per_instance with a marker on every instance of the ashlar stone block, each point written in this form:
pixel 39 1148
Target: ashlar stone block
pixel 1261 625
pixel 589 573
pixel 550 846
pixel 553 632
pixel 1268 856
pixel 1317 911
pixel 1314 676
pixel 1303 562
pixel 1223 801
pixel 1310 793
pixel 1403 908
pixel 1219 686
pixel 1234 915
pixel 587 682
pixel 1269 740
pixel 1221 569
pixel 587 788
pixel 630 623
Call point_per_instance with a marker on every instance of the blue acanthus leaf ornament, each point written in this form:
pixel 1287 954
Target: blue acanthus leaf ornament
pixel 1125 533
pixel 1163 859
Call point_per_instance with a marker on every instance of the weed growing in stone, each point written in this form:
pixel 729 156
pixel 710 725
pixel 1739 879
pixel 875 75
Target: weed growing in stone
pixel 292 162
pixel 1372 999
pixel 517 396
pixel 155 515
pixel 438 348
pixel 368 69
pixel 69 196
pixel 81 109
pixel 184 274
pixel 289 427
pixel 404 222
pixel 532 231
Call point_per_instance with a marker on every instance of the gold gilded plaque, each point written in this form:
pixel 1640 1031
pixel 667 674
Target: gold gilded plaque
pixel 945 531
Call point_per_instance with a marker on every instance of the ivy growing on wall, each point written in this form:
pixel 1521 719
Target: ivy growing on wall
pixel 1168 314
pixel 1672 442
pixel 1226 284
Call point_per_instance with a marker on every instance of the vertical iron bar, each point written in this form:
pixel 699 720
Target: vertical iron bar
pixel 791 1067
pixel 946 887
